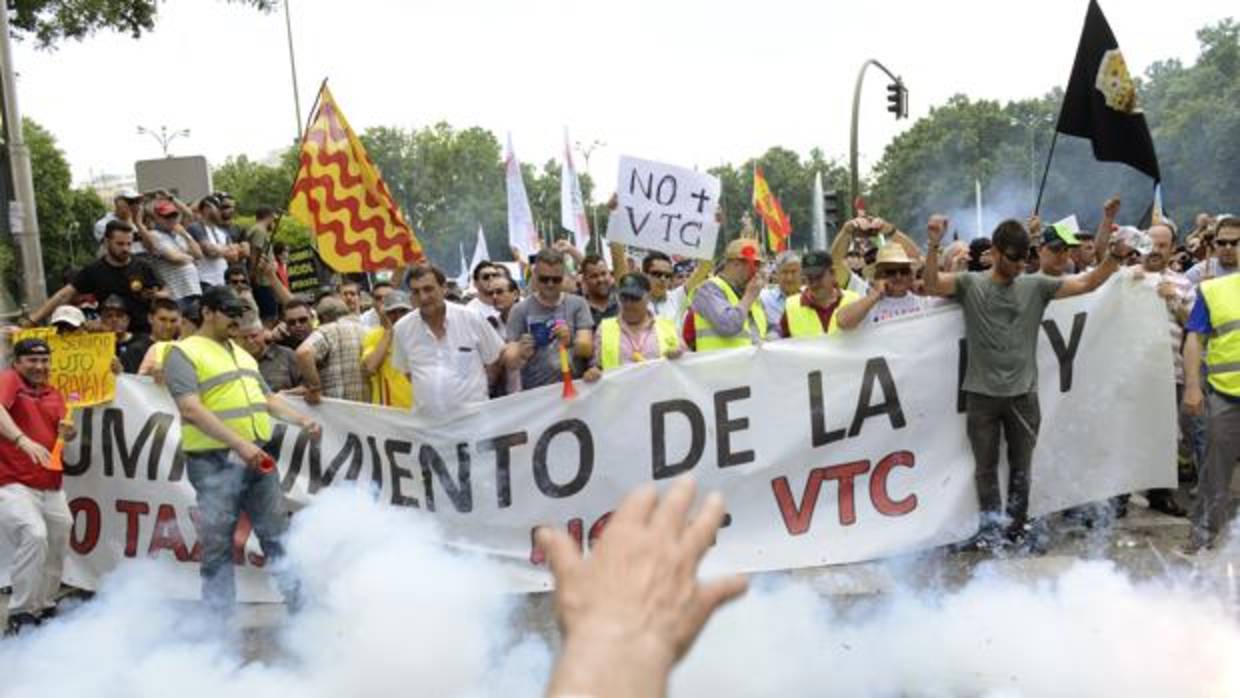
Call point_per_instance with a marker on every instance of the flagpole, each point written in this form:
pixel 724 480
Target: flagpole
pixel 301 143
pixel 1037 206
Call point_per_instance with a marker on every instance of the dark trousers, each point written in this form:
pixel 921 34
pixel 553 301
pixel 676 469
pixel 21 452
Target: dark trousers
pixel 1017 419
pixel 1213 505
pixel 225 487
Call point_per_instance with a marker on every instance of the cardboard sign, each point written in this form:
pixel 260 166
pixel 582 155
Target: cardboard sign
pixel 81 364
pixel 666 208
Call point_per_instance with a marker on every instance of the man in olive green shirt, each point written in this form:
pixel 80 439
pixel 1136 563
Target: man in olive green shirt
pixel 1002 315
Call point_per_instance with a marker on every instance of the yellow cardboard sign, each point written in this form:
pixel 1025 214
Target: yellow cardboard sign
pixel 81 364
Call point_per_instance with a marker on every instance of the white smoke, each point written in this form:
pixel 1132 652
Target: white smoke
pixel 393 613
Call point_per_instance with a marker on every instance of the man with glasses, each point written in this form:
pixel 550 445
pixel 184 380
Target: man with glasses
pixel 389 386
pixel 891 294
pixel 546 320
pixel 1220 251
pixel 1215 323
pixel 815 311
pixel 226 409
pixel 295 326
pixel 503 293
pixel 1003 312
pixel 665 301
pixel 484 274
pixel 635 335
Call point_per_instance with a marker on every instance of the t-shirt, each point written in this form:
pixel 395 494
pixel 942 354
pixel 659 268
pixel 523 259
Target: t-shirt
pixel 1208 269
pixel 531 317
pixel 37 412
pixel 181 378
pixel 131 282
pixel 389 385
pixel 1001 323
pixel 278 365
pixel 211 270
pixel 181 279
pixel 130 352
pixel 888 308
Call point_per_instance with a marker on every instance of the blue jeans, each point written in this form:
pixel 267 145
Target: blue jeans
pixel 225 487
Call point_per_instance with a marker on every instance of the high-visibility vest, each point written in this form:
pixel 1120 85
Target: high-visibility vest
pixel 609 338
pixel 231 387
pixel 803 320
pixel 1222 297
pixel 709 339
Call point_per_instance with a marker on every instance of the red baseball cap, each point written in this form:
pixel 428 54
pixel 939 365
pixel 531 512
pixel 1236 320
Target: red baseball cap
pixel 165 208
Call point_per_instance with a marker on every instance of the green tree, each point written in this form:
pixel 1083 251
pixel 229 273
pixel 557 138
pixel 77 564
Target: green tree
pixel 51 21
pixel 66 216
pixel 255 184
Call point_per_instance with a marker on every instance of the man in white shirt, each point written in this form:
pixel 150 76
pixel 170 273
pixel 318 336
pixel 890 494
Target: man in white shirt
pixel 450 353
pixel 483 302
pixel 668 303
pixel 890 296
pixel 378 293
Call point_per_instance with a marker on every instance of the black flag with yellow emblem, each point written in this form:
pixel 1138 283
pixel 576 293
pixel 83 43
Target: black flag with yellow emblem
pixel 1101 100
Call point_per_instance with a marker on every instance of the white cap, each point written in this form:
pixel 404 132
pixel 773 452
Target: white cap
pixel 70 314
pixel 128 193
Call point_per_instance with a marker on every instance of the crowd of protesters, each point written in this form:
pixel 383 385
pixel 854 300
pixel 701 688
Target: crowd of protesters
pixel 203 306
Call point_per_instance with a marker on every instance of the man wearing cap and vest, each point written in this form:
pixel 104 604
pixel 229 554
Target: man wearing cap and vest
pixel 891 295
pixel 226 410
pixel 1215 319
pixel 34 516
pixel 814 311
pixel 636 334
pixel 725 312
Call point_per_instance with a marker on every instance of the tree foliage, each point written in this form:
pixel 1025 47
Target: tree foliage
pixel 66 215
pixel 52 21
pixel 933 166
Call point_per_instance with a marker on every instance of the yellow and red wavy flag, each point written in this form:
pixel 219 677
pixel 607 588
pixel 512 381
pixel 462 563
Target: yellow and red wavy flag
pixel 341 196
pixel 778 227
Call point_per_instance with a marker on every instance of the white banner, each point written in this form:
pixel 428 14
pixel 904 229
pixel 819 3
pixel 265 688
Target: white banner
pixel 664 207
pixel 828 450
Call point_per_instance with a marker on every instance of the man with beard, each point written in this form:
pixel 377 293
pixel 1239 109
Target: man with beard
pixel 1221 259
pixel 115 273
pixel 226 409
pixel 597 281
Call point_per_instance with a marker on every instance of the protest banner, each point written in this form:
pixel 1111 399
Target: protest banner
pixel 827 450
pixel 304 275
pixel 664 207
pixel 81 367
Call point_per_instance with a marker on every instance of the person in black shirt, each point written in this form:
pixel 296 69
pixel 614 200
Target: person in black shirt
pixel 130 347
pixel 115 273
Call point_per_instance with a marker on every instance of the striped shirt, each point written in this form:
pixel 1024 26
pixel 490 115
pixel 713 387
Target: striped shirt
pixel 1183 301
pixel 181 280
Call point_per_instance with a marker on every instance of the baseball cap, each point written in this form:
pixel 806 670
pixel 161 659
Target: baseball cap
pixel 396 300
pixel 815 263
pixel 633 286
pixel 114 302
pixel 222 299
pixel 128 194
pixel 31 346
pixel 165 208
pixel 1061 233
pixel 743 248
pixel 70 315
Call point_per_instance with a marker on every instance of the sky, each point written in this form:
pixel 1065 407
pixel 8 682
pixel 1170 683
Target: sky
pixel 689 82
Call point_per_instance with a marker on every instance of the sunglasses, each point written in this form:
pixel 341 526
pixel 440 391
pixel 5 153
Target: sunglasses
pixel 542 279
pixel 297 321
pixel 886 273
pixel 488 277
pixel 1226 243
pixel 660 275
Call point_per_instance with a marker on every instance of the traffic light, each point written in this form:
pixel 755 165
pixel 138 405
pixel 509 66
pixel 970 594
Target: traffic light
pixel 831 209
pixel 897 99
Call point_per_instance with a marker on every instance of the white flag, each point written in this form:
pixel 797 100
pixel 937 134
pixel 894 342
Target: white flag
pixel 572 204
pixel 462 281
pixel 521 231
pixel 818 215
pixel 480 252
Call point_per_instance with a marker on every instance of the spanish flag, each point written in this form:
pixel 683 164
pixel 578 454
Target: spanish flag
pixel 778 227
pixel 341 196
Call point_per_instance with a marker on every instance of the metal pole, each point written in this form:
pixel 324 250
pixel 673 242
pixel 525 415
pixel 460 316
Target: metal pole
pixel 854 176
pixel 292 64
pixel 26 232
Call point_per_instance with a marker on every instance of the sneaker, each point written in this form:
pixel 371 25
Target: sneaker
pixel 19 623
pixel 1165 502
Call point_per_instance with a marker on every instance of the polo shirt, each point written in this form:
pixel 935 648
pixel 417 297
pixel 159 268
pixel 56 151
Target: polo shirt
pixel 37 412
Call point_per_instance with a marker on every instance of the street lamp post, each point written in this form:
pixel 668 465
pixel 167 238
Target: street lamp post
pixel 585 150
pixel 164 136
pixel 901 106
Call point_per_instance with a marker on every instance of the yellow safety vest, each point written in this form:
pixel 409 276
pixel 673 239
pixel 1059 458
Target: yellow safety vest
pixel 609 337
pixel 1222 297
pixel 230 386
pixel 803 320
pixel 708 339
